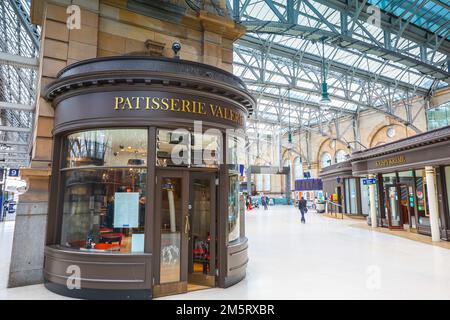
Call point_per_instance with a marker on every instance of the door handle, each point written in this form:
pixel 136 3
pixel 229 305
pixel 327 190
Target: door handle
pixel 187 226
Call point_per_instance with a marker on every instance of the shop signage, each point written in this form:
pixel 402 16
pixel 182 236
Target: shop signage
pixel 177 105
pixel 391 161
pixel 308 184
pixel 367 182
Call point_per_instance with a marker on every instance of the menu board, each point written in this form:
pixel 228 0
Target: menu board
pixel 126 210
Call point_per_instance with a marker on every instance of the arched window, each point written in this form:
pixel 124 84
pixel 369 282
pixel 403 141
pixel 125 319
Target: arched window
pixel 298 170
pixel 266 182
pixel 325 160
pixel 341 156
pixel 259 182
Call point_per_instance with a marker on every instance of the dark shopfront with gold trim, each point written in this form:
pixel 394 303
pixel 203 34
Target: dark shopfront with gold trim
pixel 144 199
pixel 399 168
pixel 339 182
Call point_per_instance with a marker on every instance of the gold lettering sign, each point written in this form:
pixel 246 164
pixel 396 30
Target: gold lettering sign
pixel 178 105
pixel 391 161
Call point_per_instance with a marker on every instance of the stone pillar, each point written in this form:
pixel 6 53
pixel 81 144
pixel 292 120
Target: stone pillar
pixel 433 203
pixel 288 186
pixel 219 34
pixel 248 175
pixel 59 47
pixel 30 230
pixel 373 209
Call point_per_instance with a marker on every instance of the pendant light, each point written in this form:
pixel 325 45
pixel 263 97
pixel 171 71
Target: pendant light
pixel 289 119
pixel 324 100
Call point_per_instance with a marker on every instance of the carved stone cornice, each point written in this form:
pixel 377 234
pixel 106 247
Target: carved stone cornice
pixel 148 71
pixel 419 140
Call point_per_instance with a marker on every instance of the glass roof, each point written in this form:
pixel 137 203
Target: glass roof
pixel 432 15
pixel 281 65
pixel 17 83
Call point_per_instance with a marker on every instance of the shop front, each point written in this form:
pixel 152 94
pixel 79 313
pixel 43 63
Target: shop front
pixel 145 178
pixel 412 181
pixel 343 189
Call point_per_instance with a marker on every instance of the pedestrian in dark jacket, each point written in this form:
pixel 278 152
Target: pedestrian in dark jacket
pixel 303 209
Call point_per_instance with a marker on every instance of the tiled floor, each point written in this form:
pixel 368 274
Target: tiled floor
pixel 322 259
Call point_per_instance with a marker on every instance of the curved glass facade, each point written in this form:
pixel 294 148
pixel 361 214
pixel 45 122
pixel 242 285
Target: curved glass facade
pixel 104 183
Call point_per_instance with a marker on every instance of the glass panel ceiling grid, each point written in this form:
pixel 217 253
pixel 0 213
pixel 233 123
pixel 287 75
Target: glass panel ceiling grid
pixel 17 83
pixel 432 15
pixel 279 71
pixel 262 11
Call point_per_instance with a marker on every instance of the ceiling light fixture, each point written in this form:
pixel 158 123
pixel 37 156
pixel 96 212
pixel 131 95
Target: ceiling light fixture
pixel 324 100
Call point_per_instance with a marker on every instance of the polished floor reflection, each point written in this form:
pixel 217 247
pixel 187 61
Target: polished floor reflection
pixel 329 259
pixel 322 259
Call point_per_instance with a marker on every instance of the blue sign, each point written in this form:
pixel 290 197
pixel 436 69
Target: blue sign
pixel 13 173
pixel 367 182
pixel 12 208
pixel 241 170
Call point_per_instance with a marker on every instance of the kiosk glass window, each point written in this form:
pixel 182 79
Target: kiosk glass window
pixel 106 148
pixel 181 148
pixel 206 149
pixel 103 180
pixel 233 209
pixel 235 151
pixel 104 209
pixel 173 148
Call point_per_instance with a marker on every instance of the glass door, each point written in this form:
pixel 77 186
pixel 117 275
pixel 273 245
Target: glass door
pixel 406 204
pixel 202 244
pixel 392 207
pixel 172 228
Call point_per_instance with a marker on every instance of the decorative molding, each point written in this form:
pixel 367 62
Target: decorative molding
pixel 416 141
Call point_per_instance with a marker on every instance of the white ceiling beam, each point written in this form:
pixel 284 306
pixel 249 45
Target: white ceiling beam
pixel 16 106
pixel 18 61
pixel 14 129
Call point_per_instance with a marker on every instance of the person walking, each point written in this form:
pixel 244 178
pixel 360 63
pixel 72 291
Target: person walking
pixel 303 209
pixel 264 201
pixel 249 203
